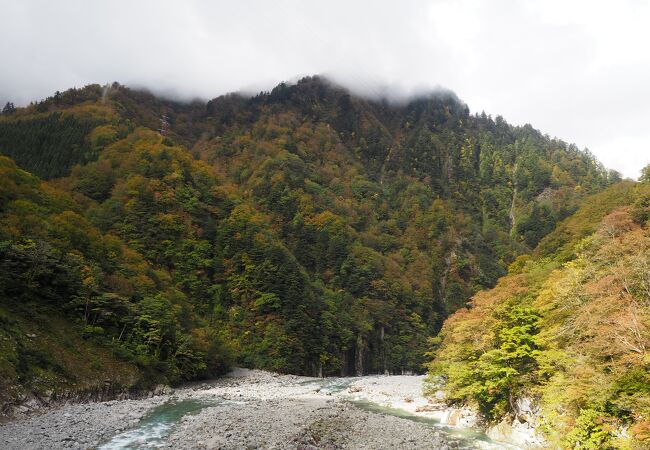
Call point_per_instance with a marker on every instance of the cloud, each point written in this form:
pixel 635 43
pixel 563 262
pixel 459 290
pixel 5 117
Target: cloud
pixel 576 70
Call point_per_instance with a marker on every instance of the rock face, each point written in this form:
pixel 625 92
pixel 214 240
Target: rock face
pixel 520 430
pixel 460 417
pixel 515 432
pixel 30 402
pixel 527 410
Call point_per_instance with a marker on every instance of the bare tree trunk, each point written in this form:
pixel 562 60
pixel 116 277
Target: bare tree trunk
pixel 121 333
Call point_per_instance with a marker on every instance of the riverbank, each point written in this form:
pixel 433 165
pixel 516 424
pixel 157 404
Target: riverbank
pixel 404 394
pixel 248 409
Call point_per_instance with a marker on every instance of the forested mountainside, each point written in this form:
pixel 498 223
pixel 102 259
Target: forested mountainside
pixel 568 327
pixel 303 230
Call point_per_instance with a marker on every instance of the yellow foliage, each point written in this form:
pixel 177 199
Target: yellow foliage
pixel 595 321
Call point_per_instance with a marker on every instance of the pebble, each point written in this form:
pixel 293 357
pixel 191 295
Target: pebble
pixel 266 411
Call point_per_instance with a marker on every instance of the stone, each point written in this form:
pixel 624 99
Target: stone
pixel 516 432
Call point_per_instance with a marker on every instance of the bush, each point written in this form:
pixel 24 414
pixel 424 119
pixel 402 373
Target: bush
pixel 590 432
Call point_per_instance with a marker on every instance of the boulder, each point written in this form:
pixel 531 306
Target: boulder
pixel 460 417
pixel 516 432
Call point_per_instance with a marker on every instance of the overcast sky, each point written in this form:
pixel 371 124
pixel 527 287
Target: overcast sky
pixel 578 70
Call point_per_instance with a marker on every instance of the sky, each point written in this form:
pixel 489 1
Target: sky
pixel 575 69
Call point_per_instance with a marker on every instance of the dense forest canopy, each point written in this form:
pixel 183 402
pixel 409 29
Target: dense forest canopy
pixel 303 230
pixel 569 327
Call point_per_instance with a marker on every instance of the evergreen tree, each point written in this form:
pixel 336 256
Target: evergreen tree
pixel 9 108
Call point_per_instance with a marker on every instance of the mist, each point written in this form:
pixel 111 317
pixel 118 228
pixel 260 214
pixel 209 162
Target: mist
pixel 574 70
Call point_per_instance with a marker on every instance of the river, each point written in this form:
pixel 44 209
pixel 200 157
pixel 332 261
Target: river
pixel 253 409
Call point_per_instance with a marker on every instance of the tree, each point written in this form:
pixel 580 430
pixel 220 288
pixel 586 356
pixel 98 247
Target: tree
pixel 613 176
pixel 645 174
pixel 589 432
pixel 540 222
pixel 503 368
pixel 9 108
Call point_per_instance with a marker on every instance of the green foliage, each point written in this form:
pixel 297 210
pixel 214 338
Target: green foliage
pixel 589 432
pixel 540 223
pixel 562 241
pixel 303 230
pixel 48 145
pixel 640 211
pixel 9 108
pixel 54 262
pixel 570 328
pixel 645 174
pixel 494 378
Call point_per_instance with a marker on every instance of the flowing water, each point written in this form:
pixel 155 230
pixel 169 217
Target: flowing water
pixel 155 426
pixel 329 385
pixel 466 438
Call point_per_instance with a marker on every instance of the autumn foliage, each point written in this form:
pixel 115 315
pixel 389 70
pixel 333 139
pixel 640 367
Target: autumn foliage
pixel 582 346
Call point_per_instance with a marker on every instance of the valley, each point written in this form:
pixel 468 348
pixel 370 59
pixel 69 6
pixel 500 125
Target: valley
pixel 310 232
pixel 254 409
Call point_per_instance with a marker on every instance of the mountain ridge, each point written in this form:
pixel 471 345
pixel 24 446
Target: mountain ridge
pixel 302 230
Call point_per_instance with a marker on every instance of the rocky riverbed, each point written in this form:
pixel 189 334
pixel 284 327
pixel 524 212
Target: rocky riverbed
pixel 250 409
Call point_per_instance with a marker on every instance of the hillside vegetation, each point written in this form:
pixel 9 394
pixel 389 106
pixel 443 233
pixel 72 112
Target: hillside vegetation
pixel 569 327
pixel 303 230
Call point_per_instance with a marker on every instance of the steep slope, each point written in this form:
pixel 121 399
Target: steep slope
pixel 568 327
pixel 50 143
pixel 81 312
pixel 311 230
pixel 440 200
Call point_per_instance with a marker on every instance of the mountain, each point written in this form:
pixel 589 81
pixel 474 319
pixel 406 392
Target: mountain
pixel 568 329
pixel 303 230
